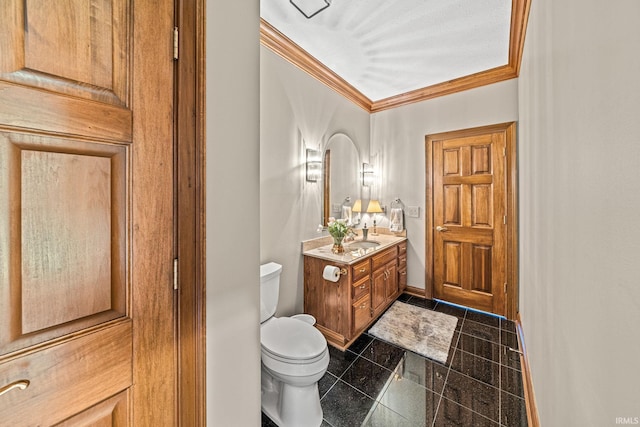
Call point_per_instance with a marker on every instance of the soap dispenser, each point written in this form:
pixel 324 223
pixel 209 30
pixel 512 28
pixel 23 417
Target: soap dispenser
pixel 365 231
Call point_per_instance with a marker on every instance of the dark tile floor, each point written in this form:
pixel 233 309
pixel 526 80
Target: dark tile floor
pixel 374 383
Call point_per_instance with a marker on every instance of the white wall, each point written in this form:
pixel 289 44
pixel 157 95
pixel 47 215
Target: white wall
pixel 398 144
pixel 579 143
pixel 296 112
pixel 233 298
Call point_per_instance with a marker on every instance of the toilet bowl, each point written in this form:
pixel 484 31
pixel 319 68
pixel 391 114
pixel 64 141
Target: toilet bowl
pixel 294 358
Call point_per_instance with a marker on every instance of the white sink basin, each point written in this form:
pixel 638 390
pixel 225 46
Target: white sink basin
pixel 363 244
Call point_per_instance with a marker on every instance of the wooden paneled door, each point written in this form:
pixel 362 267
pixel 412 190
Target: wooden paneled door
pixel 469 207
pixel 87 323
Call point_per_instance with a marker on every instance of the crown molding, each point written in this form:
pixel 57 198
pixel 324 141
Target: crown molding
pixel 287 49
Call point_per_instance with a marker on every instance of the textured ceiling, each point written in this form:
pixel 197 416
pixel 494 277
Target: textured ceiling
pixel 385 48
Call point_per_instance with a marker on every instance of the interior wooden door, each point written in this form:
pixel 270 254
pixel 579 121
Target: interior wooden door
pixel 86 213
pixel 469 216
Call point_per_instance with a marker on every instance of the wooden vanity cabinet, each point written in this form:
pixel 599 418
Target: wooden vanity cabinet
pixel 344 309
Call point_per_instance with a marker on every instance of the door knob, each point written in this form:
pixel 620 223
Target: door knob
pixel 442 229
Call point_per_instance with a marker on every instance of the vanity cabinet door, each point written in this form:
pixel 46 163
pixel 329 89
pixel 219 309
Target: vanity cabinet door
pixel 391 283
pixel 378 286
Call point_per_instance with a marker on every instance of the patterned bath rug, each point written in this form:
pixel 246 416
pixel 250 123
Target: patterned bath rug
pixel 417 329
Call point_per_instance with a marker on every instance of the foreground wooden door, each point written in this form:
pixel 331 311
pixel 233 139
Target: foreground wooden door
pixel 468 217
pixel 86 213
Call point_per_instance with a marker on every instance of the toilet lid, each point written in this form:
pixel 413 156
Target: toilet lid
pixel 292 339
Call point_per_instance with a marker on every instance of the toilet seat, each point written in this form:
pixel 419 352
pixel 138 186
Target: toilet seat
pixel 292 341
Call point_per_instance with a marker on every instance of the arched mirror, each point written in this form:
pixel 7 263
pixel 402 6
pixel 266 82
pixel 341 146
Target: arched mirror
pixel 341 186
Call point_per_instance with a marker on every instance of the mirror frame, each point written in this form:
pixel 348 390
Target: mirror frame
pixel 326 175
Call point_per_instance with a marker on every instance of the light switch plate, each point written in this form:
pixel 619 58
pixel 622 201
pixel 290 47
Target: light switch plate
pixel 413 211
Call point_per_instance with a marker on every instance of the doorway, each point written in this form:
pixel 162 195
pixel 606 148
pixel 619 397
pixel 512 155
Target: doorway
pixel 471 221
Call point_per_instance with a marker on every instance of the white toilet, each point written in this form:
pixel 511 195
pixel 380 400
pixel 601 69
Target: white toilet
pixel 294 357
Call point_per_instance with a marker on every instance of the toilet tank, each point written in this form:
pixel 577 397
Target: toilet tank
pixel 269 289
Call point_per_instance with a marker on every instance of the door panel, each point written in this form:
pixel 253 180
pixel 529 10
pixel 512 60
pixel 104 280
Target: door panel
pixel 73 47
pixel 452 201
pixel 65 222
pixel 84 245
pixel 469 204
pixel 481 206
pixel 452 268
pixel 110 413
pixel 66 379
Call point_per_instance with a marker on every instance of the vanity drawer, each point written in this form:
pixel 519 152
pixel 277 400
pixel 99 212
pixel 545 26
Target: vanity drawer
pixel 402 261
pixel 381 259
pixel 360 288
pixel 402 248
pixel 360 270
pixel 402 279
pixel 361 313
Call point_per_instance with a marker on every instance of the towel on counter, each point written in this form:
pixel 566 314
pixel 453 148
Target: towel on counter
pixel 347 215
pixel 396 220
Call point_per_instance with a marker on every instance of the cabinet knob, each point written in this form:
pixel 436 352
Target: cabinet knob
pixel 362 286
pixel 363 270
pixel 363 306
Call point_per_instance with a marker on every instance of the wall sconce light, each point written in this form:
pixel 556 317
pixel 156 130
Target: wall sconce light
pixel 367 175
pixel 310 8
pixel 374 208
pixel 314 165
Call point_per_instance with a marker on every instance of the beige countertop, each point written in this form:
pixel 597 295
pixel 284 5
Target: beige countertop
pixel 311 248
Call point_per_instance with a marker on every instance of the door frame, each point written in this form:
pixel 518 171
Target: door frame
pixel 189 211
pixel 511 177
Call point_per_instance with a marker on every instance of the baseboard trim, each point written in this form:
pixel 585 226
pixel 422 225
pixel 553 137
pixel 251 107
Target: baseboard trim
pixel 416 292
pixel 529 395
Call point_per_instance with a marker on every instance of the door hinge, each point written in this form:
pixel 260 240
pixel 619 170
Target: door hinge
pixel 175 42
pixel 504 152
pixel 504 219
pixel 175 274
pixel 505 288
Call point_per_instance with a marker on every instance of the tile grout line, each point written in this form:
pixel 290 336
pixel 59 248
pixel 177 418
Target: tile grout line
pixel 444 386
pixel 339 377
pixel 475 412
pixel 332 385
